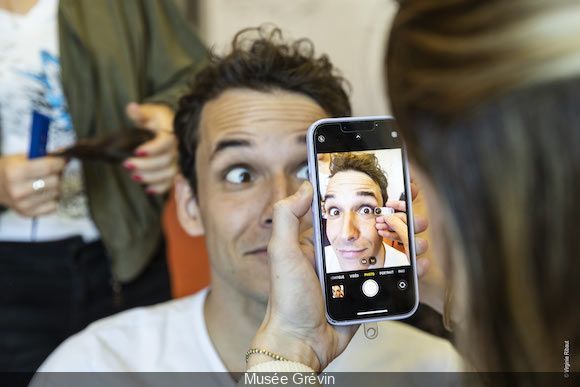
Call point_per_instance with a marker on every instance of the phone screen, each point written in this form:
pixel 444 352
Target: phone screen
pixel 362 175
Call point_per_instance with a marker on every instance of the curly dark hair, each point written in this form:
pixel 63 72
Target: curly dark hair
pixel 262 63
pixel 366 163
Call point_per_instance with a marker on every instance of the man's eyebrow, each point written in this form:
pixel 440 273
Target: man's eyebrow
pixel 366 194
pixel 231 143
pixel 328 196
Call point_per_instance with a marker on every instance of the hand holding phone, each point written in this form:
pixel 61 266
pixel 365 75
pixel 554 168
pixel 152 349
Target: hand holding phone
pixel 296 324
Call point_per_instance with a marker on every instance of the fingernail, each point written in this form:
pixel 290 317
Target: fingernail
pixel 141 153
pixel 137 178
pixel 129 166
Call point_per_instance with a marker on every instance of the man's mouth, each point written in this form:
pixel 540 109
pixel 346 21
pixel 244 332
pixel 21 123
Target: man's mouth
pixel 352 253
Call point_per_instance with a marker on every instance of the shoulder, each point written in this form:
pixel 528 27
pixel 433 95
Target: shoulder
pixel 399 348
pixel 118 343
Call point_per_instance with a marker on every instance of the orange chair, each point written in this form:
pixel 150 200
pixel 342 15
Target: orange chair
pixel 186 256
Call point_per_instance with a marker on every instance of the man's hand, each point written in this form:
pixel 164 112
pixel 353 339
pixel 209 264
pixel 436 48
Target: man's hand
pixel 155 162
pixel 30 187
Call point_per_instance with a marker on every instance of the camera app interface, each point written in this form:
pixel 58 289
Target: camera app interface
pixel 362 192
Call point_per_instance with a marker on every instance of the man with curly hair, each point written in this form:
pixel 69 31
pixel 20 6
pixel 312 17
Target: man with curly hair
pixel 242 147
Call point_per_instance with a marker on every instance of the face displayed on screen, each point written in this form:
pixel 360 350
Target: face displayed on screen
pixel 349 204
pixel 354 185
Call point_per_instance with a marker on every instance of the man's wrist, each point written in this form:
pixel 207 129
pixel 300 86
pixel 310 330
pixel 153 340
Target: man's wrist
pixel 287 347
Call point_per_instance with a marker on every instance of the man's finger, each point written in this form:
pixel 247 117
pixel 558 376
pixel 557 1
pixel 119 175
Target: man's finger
pixel 389 235
pixel 286 219
pixel 400 228
pixel 397 205
pixel 421 223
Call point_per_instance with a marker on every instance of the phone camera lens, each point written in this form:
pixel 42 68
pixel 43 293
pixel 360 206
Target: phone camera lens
pixel 321 138
pixel 357 136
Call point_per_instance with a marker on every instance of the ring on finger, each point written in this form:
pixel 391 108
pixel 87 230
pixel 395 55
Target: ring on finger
pixel 38 185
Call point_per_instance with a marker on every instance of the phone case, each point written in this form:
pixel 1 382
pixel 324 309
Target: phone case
pixel 313 177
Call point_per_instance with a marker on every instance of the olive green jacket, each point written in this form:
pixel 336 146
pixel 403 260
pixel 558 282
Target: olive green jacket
pixel 113 52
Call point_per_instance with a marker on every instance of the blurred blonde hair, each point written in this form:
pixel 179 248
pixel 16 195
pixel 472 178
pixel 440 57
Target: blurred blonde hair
pixel 491 47
pixel 487 95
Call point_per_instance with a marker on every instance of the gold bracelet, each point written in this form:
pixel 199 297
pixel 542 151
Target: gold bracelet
pixel 274 356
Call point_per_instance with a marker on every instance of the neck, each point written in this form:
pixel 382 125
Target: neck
pixel 232 319
pixel 18 6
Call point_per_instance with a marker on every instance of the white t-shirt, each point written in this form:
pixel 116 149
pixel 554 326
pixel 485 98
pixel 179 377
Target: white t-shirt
pixel 393 258
pixel 30 80
pixel 172 336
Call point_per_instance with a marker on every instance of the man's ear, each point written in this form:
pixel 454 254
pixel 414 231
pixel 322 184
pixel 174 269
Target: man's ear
pixel 187 209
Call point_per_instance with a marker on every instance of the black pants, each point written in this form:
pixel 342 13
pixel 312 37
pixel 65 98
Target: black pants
pixel 51 290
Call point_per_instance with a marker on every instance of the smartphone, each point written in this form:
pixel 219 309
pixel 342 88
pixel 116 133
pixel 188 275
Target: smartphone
pixel 359 171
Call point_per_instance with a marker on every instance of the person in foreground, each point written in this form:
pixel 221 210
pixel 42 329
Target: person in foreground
pixel 496 139
pixel 241 133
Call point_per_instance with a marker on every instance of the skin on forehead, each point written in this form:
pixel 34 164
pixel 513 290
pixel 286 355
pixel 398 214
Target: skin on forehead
pixel 242 109
pixel 350 183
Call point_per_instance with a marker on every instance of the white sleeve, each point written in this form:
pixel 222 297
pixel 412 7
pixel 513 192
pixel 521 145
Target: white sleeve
pixel 73 355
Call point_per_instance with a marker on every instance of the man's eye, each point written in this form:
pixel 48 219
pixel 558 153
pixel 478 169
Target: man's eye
pixel 334 212
pixel 238 175
pixel 366 210
pixel 302 172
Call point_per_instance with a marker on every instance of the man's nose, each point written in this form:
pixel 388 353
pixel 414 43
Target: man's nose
pixel 280 187
pixel 349 230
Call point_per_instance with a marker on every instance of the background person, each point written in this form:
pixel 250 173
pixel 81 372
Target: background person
pixel 96 246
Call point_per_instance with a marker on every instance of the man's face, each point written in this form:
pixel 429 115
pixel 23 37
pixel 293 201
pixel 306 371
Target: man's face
pixel 251 153
pixel 350 199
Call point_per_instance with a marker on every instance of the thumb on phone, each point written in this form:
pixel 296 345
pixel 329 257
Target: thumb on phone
pixel 286 223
